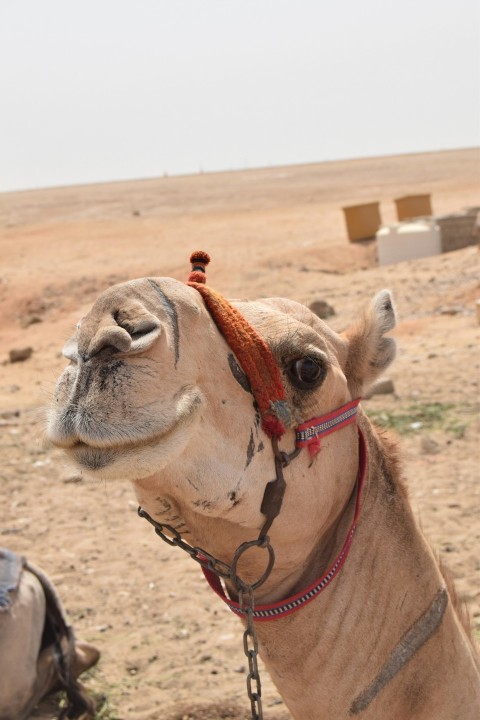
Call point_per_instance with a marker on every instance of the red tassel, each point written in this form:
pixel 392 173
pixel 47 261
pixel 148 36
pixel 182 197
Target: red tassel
pixel 314 446
pixel 199 260
pixel 199 256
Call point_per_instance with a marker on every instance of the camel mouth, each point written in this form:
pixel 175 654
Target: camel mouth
pixel 116 447
pixel 93 458
pixel 119 445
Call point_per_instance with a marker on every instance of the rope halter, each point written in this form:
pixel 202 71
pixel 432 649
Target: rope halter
pixel 258 363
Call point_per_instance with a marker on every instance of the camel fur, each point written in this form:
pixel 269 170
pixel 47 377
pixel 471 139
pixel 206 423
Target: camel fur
pixel 154 394
pixel 38 651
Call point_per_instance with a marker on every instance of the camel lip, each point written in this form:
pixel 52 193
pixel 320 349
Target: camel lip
pixel 119 442
pixel 74 444
pixel 93 458
pixel 121 447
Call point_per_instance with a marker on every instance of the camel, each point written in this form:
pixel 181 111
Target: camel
pixel 39 653
pixel 197 401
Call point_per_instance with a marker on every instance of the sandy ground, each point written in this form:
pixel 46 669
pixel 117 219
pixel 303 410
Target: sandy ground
pixel 169 648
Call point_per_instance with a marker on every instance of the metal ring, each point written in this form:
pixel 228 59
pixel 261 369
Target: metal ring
pixel 282 456
pixel 261 543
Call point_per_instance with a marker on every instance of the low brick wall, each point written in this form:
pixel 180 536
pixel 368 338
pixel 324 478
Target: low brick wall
pixel 459 230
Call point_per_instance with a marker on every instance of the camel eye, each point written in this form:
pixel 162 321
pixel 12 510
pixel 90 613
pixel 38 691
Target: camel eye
pixel 307 373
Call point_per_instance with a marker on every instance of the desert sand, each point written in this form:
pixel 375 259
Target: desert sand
pixel 170 649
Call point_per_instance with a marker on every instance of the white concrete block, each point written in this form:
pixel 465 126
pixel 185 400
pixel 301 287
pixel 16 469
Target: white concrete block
pixel 407 241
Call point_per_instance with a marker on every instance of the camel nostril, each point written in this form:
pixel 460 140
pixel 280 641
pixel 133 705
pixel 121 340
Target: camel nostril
pixel 141 325
pixel 140 329
pixel 143 332
pixel 144 335
pixel 121 331
pixel 113 337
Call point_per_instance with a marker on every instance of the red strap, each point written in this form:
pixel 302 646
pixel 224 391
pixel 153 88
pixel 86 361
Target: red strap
pixel 295 602
pixel 308 434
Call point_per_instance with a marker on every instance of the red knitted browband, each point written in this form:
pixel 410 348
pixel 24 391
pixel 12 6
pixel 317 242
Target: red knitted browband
pixel 252 352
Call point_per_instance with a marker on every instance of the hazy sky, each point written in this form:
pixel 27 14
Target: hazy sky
pixel 96 90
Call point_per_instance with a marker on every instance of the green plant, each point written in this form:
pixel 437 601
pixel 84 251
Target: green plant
pixel 105 710
pixel 425 416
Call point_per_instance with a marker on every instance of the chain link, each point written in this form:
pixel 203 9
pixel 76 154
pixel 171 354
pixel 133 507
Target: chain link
pixel 250 648
pixel 202 557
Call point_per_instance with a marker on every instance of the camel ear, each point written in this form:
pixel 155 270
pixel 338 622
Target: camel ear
pixel 369 351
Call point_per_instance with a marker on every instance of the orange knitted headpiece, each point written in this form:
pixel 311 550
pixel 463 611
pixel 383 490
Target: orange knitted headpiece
pixel 253 354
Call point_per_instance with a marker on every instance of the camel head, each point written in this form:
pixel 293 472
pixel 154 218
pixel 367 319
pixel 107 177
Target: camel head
pixel 155 394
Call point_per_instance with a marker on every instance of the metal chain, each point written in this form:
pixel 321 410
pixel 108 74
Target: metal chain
pixel 250 648
pixel 245 596
pixel 202 557
pixel 270 507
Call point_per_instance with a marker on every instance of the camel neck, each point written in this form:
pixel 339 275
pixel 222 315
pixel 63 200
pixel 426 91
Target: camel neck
pixel 391 616
pixel 306 589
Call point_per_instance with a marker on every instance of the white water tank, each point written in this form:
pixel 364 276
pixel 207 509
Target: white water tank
pixel 407 241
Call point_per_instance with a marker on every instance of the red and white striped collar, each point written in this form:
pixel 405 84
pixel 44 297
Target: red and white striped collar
pixel 308 435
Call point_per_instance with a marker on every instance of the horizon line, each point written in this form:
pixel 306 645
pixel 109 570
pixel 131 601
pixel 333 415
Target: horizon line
pixel 166 175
